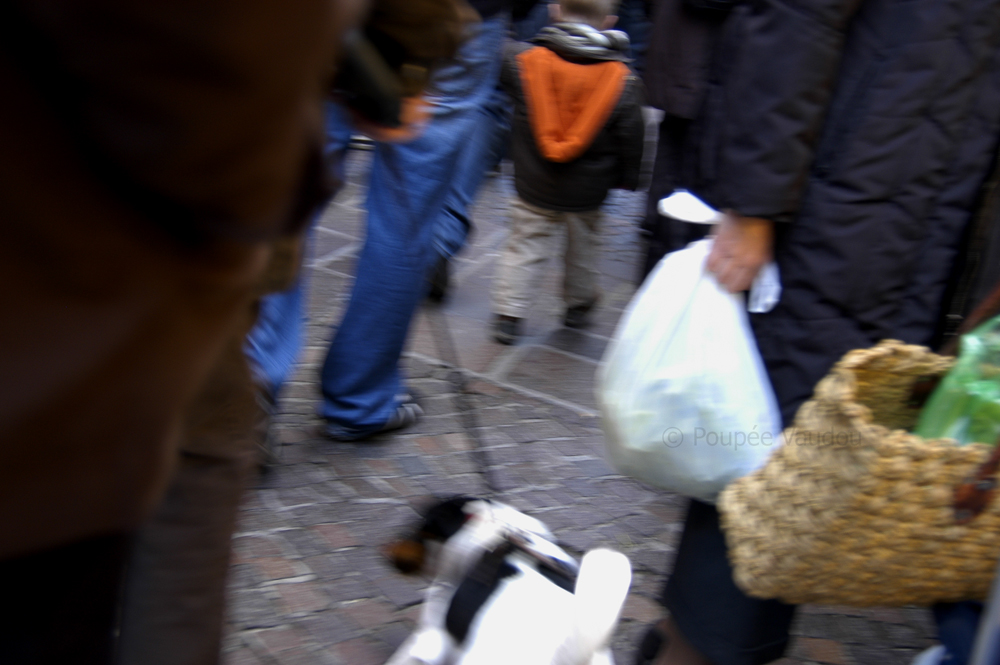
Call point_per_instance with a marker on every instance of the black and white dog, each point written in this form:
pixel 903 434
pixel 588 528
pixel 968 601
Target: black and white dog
pixel 503 592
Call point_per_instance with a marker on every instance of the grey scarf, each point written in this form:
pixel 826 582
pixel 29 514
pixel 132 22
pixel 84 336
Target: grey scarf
pixel 578 40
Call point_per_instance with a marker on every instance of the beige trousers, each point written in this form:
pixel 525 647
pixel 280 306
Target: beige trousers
pixel 534 237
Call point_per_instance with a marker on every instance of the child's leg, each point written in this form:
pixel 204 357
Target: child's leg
pixel 581 276
pixel 519 269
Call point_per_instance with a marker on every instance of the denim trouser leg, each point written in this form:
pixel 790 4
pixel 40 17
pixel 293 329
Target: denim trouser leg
pixel 483 138
pixel 407 192
pixel 275 341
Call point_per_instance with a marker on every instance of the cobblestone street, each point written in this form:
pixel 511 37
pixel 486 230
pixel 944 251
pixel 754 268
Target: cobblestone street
pixel 308 582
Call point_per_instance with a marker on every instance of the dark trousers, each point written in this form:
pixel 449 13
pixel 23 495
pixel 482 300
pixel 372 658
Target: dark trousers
pixel 59 606
pixel 723 623
pixel 173 605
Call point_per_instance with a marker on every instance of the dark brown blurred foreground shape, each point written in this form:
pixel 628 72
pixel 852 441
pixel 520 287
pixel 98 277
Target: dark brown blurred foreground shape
pixel 157 162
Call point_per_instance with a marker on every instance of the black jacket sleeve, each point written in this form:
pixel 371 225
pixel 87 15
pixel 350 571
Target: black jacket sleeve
pixel 781 59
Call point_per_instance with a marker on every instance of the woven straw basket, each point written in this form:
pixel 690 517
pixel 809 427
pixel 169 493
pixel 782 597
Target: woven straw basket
pixel 855 510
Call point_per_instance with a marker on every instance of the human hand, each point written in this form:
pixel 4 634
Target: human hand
pixel 742 246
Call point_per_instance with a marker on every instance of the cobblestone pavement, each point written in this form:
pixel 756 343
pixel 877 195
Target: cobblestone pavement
pixel 308 583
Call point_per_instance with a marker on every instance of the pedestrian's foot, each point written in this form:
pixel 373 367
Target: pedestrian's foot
pixel 438 280
pixel 406 414
pixel 578 317
pixel 506 329
pixel 653 643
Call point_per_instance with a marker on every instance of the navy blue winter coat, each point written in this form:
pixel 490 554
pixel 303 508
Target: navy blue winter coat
pixel 866 130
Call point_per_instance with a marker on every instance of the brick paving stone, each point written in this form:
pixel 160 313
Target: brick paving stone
pixel 305 542
pixel 362 651
pixel 243 575
pixel 244 656
pixel 251 608
pixel 887 614
pixel 456 465
pixel 275 568
pixel 399 590
pixel 595 468
pixel 383 467
pixel 395 633
pixel 330 627
pixel 364 488
pixel 443 487
pixel 431 445
pixel 272 641
pixel 876 655
pixel 369 612
pixel 336 535
pixel 822 651
pixel 302 598
pixel 315 655
pixel 578 541
pixel 412 465
pixel 350 587
pixel 902 635
pixel 582 486
pixel 457 442
pixel 251 547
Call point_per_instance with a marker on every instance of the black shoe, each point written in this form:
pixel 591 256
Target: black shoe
pixel 652 642
pixel 577 317
pixel 438 280
pixel 506 329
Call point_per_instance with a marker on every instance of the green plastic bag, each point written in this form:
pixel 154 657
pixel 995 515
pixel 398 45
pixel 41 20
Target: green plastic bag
pixel 966 404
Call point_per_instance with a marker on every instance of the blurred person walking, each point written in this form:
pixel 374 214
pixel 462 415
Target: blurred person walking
pixel 418 197
pixel 578 132
pixel 155 155
pixel 850 142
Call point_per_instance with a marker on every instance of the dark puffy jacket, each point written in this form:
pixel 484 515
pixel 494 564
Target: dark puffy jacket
pixel 866 129
pixel 612 160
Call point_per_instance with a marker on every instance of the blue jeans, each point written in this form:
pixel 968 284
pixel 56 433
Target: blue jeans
pixel 417 199
pixel 274 343
pixel 484 142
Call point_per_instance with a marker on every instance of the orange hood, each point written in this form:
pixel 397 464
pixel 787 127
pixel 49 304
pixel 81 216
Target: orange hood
pixel 568 104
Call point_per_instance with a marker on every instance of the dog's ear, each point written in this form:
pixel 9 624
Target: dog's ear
pixel 441 521
pixel 445 518
pixel 407 555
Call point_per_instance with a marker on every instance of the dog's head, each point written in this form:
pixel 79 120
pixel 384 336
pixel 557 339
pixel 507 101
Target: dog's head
pixel 440 522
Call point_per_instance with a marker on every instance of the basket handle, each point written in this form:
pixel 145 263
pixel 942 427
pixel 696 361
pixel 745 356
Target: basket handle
pixel 987 309
pixel 976 492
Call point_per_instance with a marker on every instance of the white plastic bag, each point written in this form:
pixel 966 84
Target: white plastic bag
pixel 686 403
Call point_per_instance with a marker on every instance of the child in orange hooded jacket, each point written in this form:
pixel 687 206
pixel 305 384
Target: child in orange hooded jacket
pixel 578 132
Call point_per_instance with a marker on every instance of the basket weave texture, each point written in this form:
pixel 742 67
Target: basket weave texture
pixel 855 510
